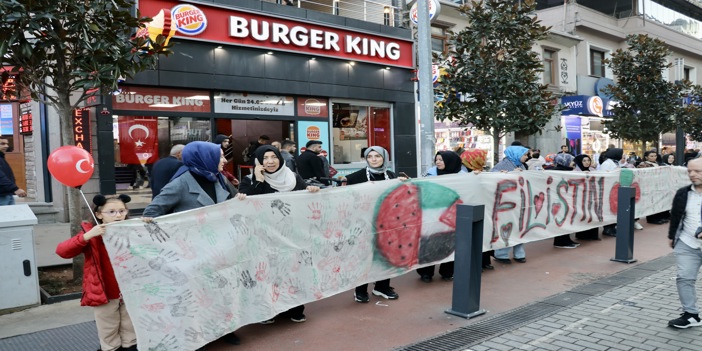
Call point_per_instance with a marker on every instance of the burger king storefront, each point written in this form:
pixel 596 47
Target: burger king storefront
pixel 260 68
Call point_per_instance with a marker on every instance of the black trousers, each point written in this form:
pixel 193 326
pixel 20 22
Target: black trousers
pixel 379 285
pixel 445 270
pixel 562 240
pixel 590 234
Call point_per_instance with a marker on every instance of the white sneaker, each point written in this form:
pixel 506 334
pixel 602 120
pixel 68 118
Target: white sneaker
pixel 638 226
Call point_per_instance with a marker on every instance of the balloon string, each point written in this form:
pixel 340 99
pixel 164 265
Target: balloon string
pixel 87 203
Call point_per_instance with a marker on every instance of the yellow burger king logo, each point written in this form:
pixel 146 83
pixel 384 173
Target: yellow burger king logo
pixel 189 19
pixel 313 133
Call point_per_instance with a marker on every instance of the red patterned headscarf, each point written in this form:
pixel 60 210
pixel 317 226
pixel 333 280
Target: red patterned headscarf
pixel 474 159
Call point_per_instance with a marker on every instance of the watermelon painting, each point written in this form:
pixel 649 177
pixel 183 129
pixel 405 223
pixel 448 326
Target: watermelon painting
pixel 415 222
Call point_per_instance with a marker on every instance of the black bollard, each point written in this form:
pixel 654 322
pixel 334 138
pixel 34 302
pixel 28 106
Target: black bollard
pixel 468 261
pixel 624 251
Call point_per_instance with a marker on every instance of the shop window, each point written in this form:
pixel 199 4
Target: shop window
pixel 550 70
pixel 597 65
pixel 140 141
pixel 356 126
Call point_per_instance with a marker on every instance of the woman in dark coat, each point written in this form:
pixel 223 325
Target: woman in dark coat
pixel 270 175
pixel 564 162
pixel 376 169
pixel 447 162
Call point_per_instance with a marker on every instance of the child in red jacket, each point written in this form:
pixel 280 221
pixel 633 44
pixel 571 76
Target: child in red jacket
pixel 100 289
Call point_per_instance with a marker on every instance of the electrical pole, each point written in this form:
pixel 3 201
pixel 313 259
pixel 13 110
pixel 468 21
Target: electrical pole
pixel 426 88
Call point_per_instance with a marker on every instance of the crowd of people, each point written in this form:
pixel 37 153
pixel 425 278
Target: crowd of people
pixel 194 176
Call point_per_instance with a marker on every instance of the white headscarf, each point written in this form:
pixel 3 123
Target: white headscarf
pixel 378 170
pixel 281 180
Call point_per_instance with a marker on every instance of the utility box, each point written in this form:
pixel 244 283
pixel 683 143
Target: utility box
pixel 18 268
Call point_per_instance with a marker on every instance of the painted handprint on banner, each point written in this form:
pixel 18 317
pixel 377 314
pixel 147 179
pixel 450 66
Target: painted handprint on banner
pixel 155 232
pixel 281 207
pixel 246 280
pixel 261 273
pixel 316 210
pixel 160 264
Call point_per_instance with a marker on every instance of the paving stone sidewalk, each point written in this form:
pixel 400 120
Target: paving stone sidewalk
pixel 632 316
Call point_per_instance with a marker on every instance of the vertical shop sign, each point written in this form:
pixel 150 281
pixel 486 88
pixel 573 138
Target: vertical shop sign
pixel 307 130
pixel 81 129
pixel 138 140
pixel 25 120
pixel 574 137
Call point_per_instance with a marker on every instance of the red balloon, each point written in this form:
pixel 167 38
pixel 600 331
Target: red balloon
pixel 71 165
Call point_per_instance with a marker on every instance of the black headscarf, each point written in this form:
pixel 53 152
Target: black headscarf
pixel 614 154
pixel 452 162
pixel 666 159
pixel 261 150
pixel 579 162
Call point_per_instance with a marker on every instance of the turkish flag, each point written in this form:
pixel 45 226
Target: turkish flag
pixel 138 140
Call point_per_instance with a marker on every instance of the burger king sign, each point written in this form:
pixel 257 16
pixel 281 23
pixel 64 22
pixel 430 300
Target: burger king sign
pixel 189 20
pixel 313 133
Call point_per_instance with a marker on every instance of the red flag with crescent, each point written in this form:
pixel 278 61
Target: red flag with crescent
pixel 138 140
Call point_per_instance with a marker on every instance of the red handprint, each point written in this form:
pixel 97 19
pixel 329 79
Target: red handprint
pixel 261 273
pixel 275 294
pixel 316 210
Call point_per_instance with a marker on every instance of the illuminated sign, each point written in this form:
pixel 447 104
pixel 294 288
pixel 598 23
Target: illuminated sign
pixel 161 99
pixel 81 128
pixel 312 107
pixel 25 120
pixel 238 27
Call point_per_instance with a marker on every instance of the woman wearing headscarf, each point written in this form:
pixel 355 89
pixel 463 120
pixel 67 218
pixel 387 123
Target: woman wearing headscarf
pixel 564 162
pixel 223 142
pixel 669 160
pixel 583 163
pixel 447 162
pixel 515 156
pixel 270 175
pixel 474 160
pixel 613 159
pixel 376 169
pixel 196 184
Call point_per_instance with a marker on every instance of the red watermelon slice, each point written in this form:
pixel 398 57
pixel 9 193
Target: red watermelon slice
pixel 412 213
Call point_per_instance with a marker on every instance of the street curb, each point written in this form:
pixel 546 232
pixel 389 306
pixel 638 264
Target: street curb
pixel 48 299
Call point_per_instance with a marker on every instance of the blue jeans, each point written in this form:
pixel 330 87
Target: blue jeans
pixel 504 253
pixel 7 200
pixel 688 261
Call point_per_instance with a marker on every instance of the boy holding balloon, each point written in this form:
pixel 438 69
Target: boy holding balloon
pixel 100 288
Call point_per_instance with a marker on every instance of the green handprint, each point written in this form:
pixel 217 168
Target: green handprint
pixel 144 251
pixel 158 290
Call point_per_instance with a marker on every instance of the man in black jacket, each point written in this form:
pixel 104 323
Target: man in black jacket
pixel 309 164
pixel 683 234
pixel 165 168
pixel 8 188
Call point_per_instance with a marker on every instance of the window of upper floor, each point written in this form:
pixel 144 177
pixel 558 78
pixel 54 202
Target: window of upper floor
pixel 550 60
pixel 597 64
pixel 439 38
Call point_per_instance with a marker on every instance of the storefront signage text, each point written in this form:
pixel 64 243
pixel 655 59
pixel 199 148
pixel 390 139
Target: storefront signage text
pixel 230 26
pixel 254 104
pixel 81 128
pixel 161 99
pixel 25 121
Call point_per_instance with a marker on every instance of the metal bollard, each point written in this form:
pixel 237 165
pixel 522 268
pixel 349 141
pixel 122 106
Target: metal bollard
pixel 468 261
pixel 624 251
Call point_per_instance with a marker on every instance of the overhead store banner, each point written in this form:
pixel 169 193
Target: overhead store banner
pixel 161 99
pixel 586 105
pixel 254 104
pixel 191 277
pixel 254 29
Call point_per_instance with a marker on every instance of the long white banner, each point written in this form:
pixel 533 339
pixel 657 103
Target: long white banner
pixel 189 278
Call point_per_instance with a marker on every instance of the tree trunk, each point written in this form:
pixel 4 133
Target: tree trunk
pixel 495 147
pixel 643 148
pixel 74 198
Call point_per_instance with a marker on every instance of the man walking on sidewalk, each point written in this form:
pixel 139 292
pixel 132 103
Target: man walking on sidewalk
pixel 683 233
pixel 8 188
